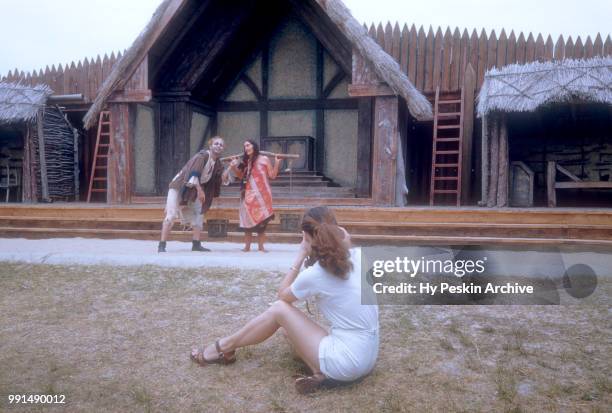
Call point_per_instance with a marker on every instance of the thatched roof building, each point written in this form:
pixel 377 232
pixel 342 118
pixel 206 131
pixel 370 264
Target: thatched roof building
pixel 524 88
pixel 384 65
pixel 20 103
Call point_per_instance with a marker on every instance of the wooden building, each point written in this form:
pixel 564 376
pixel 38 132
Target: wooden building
pixel 38 146
pixel 304 72
pixel 556 119
pixel 301 75
pixel 370 111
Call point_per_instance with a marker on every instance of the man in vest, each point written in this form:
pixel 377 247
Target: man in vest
pixel 192 190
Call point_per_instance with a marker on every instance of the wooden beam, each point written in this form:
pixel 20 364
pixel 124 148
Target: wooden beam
pixel 251 85
pixel 362 72
pixel 484 155
pixel 287 104
pixel 129 96
pixel 584 185
pixel 42 154
pixel 384 150
pixel 335 81
pixel 119 174
pixel 494 163
pixel 504 164
pixel 201 58
pixel 469 86
pixel 568 173
pixel 201 107
pixel 551 176
pixel 370 90
pixel 178 38
pixel 29 193
pixel 364 148
pixel 320 113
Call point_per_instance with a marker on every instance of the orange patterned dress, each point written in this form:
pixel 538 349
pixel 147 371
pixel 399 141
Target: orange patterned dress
pixel 256 198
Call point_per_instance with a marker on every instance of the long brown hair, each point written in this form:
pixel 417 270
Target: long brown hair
pixel 328 247
pixel 247 164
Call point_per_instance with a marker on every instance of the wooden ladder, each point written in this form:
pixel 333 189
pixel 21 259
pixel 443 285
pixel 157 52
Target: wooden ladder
pixel 446 155
pixel 99 165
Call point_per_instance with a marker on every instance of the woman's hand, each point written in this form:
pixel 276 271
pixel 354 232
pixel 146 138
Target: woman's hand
pixel 306 244
pixel 234 167
pixel 284 291
pixel 273 170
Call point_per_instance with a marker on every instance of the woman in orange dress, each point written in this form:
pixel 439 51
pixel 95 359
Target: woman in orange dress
pixel 256 211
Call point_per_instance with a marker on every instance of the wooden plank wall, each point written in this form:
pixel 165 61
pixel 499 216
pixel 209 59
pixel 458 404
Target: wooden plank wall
pixel 429 58
pixel 84 77
pixel 440 57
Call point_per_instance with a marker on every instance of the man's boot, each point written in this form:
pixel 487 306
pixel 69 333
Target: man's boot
pixel 161 247
pixel 197 246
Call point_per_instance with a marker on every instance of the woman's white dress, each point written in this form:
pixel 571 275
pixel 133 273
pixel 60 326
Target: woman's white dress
pixel 351 348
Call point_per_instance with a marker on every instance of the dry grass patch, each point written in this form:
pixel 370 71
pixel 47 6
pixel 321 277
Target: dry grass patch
pixel 117 339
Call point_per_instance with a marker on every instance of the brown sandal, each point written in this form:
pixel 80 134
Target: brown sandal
pixel 223 358
pixel 309 384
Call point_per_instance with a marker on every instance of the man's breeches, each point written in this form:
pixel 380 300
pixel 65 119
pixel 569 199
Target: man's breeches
pixel 190 214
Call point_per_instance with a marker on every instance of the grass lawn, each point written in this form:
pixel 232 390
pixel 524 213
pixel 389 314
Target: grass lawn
pixel 118 339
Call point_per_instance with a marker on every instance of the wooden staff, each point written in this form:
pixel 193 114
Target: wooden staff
pixel 280 155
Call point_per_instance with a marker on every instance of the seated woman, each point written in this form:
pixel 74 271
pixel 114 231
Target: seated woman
pixel 349 349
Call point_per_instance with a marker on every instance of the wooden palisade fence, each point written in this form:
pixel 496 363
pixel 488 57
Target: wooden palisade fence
pixel 430 59
pixel 84 77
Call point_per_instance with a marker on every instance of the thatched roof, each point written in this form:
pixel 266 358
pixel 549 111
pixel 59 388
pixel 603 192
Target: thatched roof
pixel 130 60
pixel 385 66
pixel 524 88
pixel 20 103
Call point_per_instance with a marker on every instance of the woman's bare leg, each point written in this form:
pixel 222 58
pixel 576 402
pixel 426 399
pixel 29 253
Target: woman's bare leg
pixel 261 239
pixel 248 238
pixel 304 334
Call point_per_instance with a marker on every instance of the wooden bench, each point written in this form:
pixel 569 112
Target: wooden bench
pixel 575 183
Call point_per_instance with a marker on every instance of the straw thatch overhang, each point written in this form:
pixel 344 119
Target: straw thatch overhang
pixel 525 88
pixel 236 29
pixel 21 103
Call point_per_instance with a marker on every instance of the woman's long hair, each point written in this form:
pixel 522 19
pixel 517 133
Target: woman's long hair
pixel 244 165
pixel 328 247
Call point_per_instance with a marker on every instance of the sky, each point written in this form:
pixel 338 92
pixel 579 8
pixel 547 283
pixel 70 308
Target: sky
pixel 37 33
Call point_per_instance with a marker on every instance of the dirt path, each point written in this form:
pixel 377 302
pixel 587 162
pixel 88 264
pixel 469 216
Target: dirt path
pixel 134 252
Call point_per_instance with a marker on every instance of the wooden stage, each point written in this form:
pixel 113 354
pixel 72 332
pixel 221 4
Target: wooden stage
pixel 367 224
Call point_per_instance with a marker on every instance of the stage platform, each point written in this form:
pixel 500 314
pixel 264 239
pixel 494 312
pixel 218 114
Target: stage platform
pixel 367 224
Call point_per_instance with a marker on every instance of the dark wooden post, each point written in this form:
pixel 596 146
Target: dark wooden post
pixel 364 147
pixel 551 175
pixel 174 127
